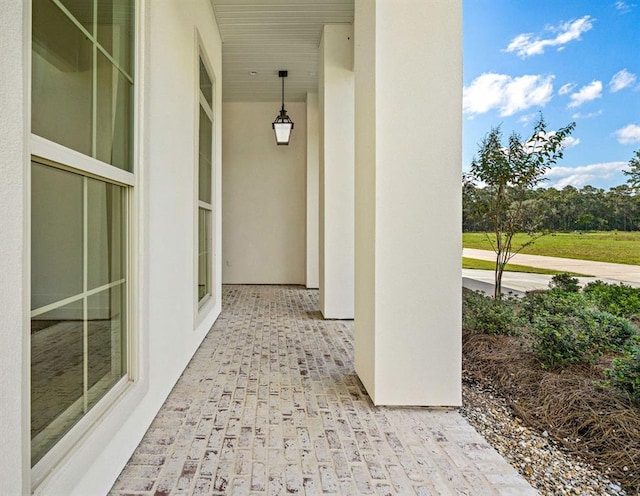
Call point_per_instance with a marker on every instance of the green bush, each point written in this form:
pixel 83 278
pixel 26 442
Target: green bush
pixel 560 340
pixel 488 315
pixel 618 299
pixel 582 336
pixel 554 302
pixel 565 327
pixel 607 332
pixel 565 282
pixel 624 374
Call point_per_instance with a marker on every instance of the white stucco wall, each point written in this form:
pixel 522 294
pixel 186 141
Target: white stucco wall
pixel 336 109
pixel 365 195
pixel 14 212
pixel 313 178
pixel 166 323
pixel 408 330
pixel 264 190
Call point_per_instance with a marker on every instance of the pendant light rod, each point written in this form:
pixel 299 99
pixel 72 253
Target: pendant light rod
pixel 282 75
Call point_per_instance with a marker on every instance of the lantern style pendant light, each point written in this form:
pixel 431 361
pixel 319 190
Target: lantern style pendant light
pixel 283 125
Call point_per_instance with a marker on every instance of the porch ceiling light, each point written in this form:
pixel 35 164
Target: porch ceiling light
pixel 283 125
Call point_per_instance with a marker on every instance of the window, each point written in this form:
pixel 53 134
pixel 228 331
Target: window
pixel 78 294
pixel 82 77
pixel 82 99
pixel 205 183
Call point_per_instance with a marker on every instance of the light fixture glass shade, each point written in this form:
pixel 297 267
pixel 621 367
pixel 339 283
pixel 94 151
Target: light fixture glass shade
pixel 282 126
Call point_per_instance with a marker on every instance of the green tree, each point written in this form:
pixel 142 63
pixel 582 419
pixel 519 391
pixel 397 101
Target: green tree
pixel 620 205
pixel 509 173
pixel 633 173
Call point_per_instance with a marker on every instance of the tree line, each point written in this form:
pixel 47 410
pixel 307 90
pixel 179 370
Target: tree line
pixel 567 209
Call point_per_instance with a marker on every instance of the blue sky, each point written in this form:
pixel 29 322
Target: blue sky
pixel 574 60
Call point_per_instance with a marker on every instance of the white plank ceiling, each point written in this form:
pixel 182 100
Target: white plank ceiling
pixel 264 36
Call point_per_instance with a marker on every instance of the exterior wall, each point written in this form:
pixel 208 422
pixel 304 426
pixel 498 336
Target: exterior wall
pixel 14 252
pixel 264 196
pixel 313 177
pixel 165 320
pixel 407 336
pixel 336 107
pixel 365 195
pixel 168 324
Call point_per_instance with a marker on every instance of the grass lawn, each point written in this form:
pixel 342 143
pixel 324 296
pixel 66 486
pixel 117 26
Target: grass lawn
pixel 472 263
pixel 617 247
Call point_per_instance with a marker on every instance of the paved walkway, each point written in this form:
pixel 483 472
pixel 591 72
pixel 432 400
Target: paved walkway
pixel 270 404
pixel 514 283
pixel 608 272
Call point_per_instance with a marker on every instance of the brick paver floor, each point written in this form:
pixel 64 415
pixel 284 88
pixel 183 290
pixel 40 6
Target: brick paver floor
pixel 270 404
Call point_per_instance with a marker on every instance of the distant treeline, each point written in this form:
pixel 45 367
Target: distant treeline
pixel 568 209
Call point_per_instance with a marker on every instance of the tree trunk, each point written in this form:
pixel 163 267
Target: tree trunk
pixel 497 291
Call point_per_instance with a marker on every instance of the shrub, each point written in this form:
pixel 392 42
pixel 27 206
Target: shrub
pixel 624 374
pixel 554 302
pixel 490 315
pixel 582 336
pixel 566 327
pixel 618 299
pixel 565 282
pixel 559 340
pixel 607 332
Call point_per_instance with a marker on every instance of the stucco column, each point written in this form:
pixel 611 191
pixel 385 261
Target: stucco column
pixel 408 108
pixel 336 107
pixel 14 296
pixel 313 177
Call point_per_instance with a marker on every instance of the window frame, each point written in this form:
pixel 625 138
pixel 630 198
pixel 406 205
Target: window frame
pixel 206 303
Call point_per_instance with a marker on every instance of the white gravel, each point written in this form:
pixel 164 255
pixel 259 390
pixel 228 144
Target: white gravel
pixel 541 461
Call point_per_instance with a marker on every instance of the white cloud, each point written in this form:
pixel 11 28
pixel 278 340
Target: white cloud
pixel 526 119
pixel 624 7
pixel 559 177
pixel 628 135
pixel 526 44
pixel 507 94
pixel 566 88
pixel 621 79
pixel 570 142
pixel 585 94
pixel 589 115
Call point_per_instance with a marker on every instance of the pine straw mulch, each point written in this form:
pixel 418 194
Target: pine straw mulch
pixel 597 424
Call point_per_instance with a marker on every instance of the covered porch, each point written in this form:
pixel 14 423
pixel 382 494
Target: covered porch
pixel 271 404
pixel 359 217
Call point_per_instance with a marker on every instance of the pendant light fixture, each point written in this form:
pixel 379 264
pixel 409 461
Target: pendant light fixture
pixel 283 125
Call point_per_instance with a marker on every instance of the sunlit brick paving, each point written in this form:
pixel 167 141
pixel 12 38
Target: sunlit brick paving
pixel 270 404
